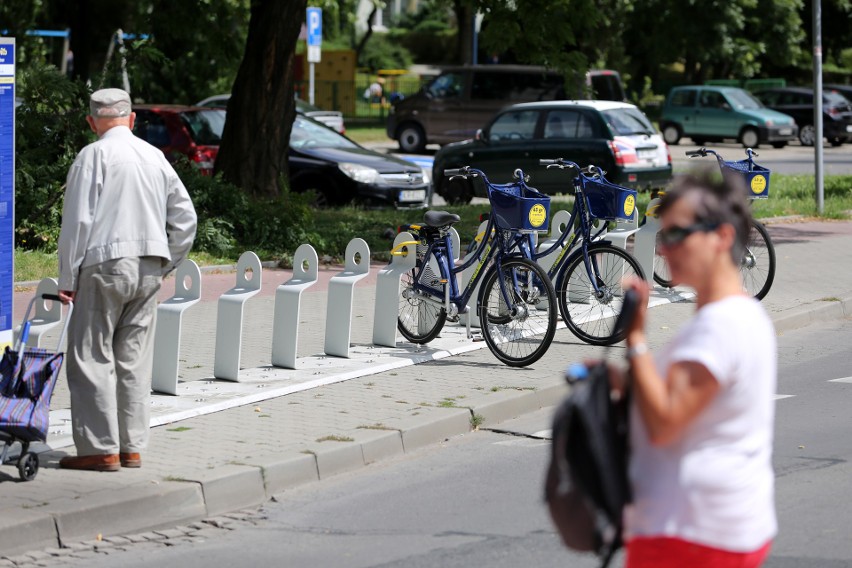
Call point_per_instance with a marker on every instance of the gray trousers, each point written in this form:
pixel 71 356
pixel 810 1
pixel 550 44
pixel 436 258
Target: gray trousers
pixel 110 354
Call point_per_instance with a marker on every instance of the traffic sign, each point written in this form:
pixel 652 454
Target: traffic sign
pixel 314 21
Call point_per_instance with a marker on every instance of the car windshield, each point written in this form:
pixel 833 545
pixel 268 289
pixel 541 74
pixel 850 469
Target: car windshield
pixel 834 99
pixel 627 121
pixel 743 100
pixel 205 126
pixel 306 133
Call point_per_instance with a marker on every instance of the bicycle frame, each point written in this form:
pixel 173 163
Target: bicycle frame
pixel 441 250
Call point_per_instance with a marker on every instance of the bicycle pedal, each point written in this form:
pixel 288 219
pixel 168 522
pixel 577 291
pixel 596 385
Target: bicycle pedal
pixel 476 337
pixel 453 319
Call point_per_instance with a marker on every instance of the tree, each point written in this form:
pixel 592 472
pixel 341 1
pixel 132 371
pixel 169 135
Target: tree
pixel 255 142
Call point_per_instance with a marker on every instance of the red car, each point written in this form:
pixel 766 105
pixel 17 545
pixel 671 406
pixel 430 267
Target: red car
pixel 178 129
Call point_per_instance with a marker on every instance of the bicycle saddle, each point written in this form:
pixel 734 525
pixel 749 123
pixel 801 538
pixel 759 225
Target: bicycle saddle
pixel 440 218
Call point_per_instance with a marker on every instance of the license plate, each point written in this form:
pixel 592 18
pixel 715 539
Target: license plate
pixel 412 195
pixel 649 154
pixel 785 131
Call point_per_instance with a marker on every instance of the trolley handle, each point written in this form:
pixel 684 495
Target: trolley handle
pixel 52 297
pixel 592 170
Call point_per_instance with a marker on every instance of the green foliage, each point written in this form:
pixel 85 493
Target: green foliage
pixel 50 130
pixel 383 53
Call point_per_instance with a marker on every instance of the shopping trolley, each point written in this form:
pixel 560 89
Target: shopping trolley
pixel 27 379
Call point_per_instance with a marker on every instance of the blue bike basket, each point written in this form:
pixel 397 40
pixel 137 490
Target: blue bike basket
pixel 609 201
pixel 518 207
pixel 756 177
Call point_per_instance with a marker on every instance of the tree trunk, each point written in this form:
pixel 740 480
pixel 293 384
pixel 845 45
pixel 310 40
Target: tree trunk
pixel 363 43
pixel 255 141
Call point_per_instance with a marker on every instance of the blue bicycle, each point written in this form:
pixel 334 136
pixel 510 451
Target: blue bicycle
pixel 588 270
pixel 516 304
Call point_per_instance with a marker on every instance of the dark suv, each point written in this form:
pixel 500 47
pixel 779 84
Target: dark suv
pixel 798 102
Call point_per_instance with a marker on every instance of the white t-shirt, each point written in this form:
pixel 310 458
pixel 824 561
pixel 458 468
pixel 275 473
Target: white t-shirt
pixel 714 485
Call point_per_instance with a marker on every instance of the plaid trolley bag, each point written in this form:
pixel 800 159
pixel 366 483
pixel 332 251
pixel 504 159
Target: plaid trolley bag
pixel 27 379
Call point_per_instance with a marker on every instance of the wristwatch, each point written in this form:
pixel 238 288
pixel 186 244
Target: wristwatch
pixel 636 350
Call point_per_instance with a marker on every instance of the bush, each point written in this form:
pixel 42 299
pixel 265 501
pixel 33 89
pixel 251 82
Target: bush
pixel 381 52
pixel 50 130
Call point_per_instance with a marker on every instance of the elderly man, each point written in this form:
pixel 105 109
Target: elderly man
pixel 127 221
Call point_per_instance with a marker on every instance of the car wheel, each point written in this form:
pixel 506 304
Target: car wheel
pixel 699 141
pixel 411 138
pixel 835 142
pixel 779 144
pixel 671 134
pixel 807 134
pixel 750 138
pixel 458 191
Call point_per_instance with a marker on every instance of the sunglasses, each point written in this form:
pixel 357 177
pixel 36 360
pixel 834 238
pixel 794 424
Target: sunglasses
pixel 675 235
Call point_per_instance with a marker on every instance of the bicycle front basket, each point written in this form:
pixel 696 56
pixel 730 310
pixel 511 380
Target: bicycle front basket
pixel 609 201
pixel 756 178
pixel 518 207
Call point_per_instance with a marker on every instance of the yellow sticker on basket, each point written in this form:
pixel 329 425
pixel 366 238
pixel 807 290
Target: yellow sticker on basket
pixel 538 215
pixel 629 206
pixel 758 184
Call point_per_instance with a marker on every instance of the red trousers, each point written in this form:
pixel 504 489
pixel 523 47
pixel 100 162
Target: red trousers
pixel 664 552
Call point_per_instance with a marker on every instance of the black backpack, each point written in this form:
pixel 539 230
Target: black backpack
pixel 587 487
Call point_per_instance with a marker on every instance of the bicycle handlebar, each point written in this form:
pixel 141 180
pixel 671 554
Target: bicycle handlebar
pixel 458 172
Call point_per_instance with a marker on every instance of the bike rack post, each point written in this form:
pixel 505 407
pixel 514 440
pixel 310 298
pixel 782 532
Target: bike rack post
pixel 338 319
pixel 229 317
pixel 558 225
pixel 44 319
pixel 455 239
pixel 645 241
pixel 471 318
pixel 164 378
pixel 622 231
pixel 403 259
pixel 288 298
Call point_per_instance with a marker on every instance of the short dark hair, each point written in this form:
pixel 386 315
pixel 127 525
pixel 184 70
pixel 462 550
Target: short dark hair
pixel 718 201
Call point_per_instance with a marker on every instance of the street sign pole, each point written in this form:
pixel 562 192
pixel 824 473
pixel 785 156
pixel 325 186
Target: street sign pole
pixel 314 25
pixel 7 187
pixel 817 29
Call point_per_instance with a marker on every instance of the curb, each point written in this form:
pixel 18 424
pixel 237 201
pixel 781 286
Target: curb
pixel 198 495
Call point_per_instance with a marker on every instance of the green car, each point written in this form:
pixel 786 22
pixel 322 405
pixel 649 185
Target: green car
pixel 707 113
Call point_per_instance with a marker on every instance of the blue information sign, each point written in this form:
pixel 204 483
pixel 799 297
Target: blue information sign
pixel 314 26
pixel 7 186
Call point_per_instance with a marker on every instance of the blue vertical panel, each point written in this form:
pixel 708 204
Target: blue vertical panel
pixel 7 186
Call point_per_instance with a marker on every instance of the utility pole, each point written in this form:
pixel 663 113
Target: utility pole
pixel 817 33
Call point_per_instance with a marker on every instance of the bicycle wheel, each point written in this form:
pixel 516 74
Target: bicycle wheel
pixel 517 332
pixel 662 274
pixel 758 264
pixel 588 314
pixel 420 318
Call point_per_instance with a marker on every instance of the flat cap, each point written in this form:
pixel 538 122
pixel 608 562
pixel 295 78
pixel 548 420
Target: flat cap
pixel 109 103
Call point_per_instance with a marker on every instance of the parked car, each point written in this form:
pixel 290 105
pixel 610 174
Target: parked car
pixel 461 99
pixel 798 102
pixel 320 159
pixel 845 90
pixel 178 129
pixel 331 118
pixel 709 113
pixel 614 136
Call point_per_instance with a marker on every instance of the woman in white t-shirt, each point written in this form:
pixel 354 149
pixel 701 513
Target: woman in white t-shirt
pixel 703 407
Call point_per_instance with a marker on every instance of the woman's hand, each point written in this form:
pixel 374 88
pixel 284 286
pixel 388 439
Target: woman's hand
pixel 66 296
pixel 636 331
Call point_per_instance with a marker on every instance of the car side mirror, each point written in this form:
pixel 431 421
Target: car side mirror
pixel 726 107
pixel 480 136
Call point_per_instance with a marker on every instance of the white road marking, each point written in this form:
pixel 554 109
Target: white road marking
pixel 843 380
pixel 780 396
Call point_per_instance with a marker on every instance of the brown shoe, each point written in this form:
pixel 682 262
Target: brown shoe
pixel 103 462
pixel 130 459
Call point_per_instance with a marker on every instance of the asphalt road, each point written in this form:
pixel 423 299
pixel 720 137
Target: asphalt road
pixel 476 499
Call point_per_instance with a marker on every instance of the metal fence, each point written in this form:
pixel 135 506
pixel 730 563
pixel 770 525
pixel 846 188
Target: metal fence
pixel 354 99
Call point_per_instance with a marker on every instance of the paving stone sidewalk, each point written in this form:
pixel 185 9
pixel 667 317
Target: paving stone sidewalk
pixel 211 464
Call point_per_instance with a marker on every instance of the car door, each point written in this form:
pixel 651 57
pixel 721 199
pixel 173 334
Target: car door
pixel 571 134
pixel 508 144
pixel 714 115
pixel 445 114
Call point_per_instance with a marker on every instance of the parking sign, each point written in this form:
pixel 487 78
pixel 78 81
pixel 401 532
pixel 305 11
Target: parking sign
pixel 314 21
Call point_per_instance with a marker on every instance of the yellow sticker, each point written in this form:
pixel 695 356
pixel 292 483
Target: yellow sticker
pixel 758 184
pixel 629 205
pixel 538 215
